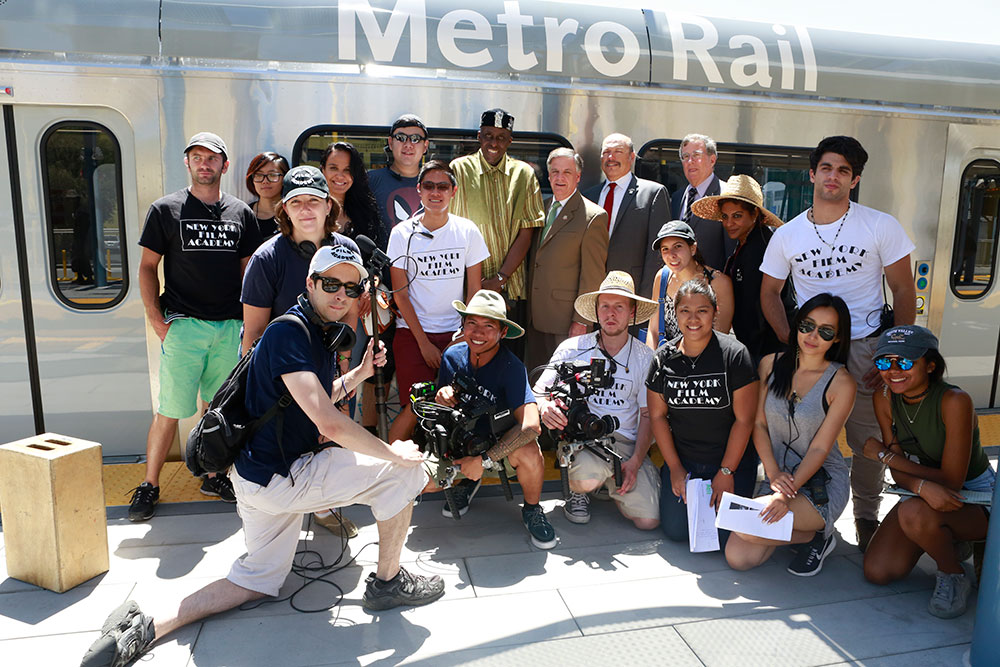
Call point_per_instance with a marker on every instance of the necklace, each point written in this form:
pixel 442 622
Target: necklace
pixel 694 362
pixel 906 413
pixel 835 236
pixel 920 395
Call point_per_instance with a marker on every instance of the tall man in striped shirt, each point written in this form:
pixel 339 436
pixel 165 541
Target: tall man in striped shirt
pixel 502 196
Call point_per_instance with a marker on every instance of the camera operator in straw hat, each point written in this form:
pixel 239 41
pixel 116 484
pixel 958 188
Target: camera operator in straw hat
pixel 614 307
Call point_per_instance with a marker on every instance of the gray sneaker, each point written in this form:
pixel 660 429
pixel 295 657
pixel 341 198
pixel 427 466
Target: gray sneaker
pixel 125 635
pixel 577 508
pixel 951 595
pixel 403 589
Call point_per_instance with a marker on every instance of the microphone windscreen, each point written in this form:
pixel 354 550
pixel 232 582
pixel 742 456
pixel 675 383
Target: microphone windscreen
pixel 365 244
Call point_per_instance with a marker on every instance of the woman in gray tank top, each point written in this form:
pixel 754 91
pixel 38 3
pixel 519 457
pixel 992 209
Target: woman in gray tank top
pixel 808 399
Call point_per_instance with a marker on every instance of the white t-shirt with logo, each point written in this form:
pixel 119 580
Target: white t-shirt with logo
pixel 628 394
pixel 852 269
pixel 437 270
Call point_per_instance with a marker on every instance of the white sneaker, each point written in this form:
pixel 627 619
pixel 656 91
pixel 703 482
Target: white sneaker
pixel 577 508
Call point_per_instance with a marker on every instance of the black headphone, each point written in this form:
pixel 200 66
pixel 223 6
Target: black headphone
pixel 337 336
pixel 307 249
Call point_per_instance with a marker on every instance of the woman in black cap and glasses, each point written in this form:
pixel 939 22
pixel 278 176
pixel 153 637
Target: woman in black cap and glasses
pixel 930 443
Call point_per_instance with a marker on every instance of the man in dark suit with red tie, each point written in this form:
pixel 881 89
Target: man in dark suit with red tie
pixel 698 156
pixel 636 207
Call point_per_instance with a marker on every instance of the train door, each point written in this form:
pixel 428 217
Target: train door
pixel 82 367
pixel 967 248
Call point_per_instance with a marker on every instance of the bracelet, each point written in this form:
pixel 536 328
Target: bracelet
pixel 343 387
pixel 890 457
pixel 920 486
pixel 501 277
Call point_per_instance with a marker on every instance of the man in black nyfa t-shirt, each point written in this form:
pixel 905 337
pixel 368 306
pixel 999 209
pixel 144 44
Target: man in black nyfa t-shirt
pixel 204 238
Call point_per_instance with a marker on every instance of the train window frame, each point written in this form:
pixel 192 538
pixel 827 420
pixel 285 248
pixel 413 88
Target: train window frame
pixel 435 134
pixel 53 271
pixel 959 237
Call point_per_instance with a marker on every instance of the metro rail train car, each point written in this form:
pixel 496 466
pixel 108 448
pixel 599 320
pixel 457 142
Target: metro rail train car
pixel 99 97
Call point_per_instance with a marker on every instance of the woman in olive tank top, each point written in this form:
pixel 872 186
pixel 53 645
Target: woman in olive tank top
pixel 930 443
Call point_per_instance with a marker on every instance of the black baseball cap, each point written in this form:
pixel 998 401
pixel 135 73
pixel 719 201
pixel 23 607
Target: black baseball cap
pixel 212 142
pixel 906 340
pixel 304 180
pixel 408 120
pixel 497 118
pixel 677 228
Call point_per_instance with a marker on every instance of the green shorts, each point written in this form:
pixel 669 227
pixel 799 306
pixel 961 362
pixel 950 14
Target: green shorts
pixel 197 355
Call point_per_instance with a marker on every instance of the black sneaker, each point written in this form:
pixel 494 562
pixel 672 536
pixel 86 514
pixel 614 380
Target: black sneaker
pixel 463 493
pixel 403 589
pixel 219 486
pixel 809 560
pixel 125 635
pixel 542 534
pixel 144 497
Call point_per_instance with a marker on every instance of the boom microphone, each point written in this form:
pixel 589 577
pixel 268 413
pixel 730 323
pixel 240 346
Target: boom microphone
pixel 376 258
pixel 377 261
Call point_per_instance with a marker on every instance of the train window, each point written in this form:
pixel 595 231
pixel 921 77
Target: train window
pixel 782 172
pixel 532 147
pixel 974 255
pixel 81 176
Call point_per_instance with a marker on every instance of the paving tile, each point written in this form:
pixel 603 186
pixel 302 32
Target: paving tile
pixel 824 634
pixel 356 637
pixel 40 612
pixel 935 657
pixel 63 649
pixel 164 530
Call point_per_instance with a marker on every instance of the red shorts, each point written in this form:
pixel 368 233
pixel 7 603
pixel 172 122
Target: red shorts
pixel 410 365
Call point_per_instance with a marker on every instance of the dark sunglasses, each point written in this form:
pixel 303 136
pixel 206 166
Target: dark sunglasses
pixel 885 363
pixel 333 285
pixel 431 186
pixel 402 138
pixel 825 332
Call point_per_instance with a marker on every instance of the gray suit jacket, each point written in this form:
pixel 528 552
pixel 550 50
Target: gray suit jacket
pixel 713 242
pixel 643 211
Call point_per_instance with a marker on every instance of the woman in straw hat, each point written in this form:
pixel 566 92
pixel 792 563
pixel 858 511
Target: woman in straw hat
pixel 740 209
pixel 682 262
pixel 702 396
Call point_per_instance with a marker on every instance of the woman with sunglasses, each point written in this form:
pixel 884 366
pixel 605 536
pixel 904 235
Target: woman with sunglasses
pixel 930 443
pixel 682 262
pixel 701 394
pixel 264 182
pixel 809 396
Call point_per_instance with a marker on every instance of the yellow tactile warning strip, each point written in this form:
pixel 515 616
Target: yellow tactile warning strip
pixel 178 486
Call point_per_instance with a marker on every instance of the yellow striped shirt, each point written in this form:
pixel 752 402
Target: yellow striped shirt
pixel 501 200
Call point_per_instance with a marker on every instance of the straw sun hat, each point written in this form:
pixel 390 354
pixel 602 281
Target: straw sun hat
pixel 487 303
pixel 620 283
pixel 740 187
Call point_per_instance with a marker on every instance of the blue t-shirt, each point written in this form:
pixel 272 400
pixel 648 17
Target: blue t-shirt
pixel 284 348
pixel 396 196
pixel 276 274
pixel 504 379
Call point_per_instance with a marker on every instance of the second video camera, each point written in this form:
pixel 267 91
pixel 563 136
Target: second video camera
pixel 577 381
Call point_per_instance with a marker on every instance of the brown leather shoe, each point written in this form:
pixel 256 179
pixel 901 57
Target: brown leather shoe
pixel 866 530
pixel 338 524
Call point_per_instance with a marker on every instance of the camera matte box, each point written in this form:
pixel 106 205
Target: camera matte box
pixel 52 505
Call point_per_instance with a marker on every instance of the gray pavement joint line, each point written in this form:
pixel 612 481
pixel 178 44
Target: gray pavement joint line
pixel 688 644
pixel 571 614
pixel 854 661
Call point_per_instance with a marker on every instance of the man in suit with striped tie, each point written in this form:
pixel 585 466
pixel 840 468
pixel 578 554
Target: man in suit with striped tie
pixel 698 155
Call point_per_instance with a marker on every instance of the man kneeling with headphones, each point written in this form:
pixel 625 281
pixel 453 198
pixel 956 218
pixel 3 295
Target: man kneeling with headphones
pixel 323 460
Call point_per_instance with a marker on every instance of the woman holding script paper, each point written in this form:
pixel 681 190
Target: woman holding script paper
pixel 808 399
pixel 701 391
pixel 933 453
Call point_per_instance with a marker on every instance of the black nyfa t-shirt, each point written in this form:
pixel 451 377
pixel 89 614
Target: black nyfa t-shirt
pixel 202 246
pixel 699 395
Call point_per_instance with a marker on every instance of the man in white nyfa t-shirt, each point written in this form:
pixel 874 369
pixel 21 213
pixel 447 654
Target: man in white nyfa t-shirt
pixel 436 259
pixel 843 248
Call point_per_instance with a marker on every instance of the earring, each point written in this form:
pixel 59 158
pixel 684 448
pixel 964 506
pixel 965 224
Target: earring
pixel 797 356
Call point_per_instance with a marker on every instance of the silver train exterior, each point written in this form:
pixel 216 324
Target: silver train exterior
pixel 150 73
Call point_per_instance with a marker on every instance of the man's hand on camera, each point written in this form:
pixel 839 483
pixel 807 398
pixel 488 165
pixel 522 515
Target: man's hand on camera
pixel 407 453
pixel 446 396
pixel 630 470
pixel 472 466
pixel 553 413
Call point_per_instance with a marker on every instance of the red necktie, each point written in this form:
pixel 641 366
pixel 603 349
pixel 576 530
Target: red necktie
pixel 609 202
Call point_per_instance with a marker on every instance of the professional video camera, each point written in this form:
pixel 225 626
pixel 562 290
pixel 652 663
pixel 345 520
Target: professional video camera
pixel 451 433
pixel 577 381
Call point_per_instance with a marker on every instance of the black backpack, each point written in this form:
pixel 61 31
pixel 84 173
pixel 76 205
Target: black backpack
pixel 226 427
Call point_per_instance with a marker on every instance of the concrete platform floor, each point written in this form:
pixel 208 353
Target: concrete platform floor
pixel 608 593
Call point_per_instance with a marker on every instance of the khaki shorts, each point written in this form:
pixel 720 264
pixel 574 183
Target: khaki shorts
pixel 643 501
pixel 334 477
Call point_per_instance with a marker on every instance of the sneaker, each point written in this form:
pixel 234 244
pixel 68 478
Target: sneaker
pixel 403 589
pixel 144 497
pixel 338 524
pixel 866 530
pixel 125 635
pixel 951 595
pixel 542 534
pixel 220 487
pixel 462 493
pixel 577 508
pixel 809 560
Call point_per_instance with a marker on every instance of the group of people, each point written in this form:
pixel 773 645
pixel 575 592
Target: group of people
pixel 755 332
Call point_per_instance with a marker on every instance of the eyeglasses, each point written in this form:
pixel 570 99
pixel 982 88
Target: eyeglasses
pixel 885 363
pixel 696 156
pixel 273 177
pixel 431 186
pixel 402 138
pixel 825 332
pixel 333 285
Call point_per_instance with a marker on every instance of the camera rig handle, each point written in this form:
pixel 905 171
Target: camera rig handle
pixel 599 446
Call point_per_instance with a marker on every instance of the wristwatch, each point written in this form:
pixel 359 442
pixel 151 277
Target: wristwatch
pixel 882 454
pixel 725 471
pixel 488 463
pixel 502 278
